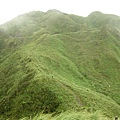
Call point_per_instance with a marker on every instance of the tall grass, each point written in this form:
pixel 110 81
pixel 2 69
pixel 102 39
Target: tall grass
pixel 69 115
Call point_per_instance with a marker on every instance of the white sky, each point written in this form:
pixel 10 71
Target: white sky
pixel 12 8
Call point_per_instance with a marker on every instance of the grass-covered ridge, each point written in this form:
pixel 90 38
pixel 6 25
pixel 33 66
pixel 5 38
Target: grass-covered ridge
pixel 54 62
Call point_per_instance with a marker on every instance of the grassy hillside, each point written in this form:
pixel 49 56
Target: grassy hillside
pixel 54 62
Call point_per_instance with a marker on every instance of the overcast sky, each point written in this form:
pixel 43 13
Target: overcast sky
pixel 12 8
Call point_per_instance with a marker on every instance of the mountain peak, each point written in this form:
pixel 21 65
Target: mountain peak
pixel 53 11
pixel 95 13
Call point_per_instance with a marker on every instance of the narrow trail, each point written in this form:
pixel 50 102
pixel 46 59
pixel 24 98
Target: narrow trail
pixel 73 93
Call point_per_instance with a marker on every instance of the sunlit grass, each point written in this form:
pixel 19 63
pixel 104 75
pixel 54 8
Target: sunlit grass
pixel 69 116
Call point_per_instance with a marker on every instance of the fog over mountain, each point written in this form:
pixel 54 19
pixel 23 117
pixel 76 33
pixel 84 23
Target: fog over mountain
pixel 9 9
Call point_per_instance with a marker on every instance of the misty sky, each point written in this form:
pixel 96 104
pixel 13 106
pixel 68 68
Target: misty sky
pixel 12 8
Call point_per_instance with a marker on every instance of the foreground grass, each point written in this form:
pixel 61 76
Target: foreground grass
pixel 70 116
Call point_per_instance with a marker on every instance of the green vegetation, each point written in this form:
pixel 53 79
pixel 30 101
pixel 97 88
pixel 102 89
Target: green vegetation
pixel 69 116
pixel 54 62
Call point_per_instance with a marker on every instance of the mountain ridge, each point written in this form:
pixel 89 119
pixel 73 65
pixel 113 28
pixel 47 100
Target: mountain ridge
pixel 72 59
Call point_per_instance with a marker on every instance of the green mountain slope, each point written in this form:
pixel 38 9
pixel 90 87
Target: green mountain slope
pixel 53 62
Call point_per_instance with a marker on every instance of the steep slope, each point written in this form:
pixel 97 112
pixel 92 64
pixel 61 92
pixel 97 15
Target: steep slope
pixel 54 62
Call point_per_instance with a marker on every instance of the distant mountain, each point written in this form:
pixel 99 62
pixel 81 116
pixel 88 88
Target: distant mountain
pixel 52 62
